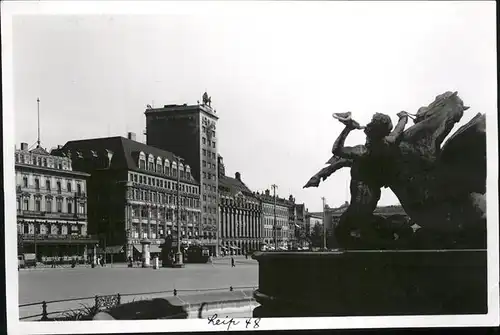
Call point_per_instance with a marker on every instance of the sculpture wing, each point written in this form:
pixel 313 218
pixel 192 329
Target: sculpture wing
pixel 463 157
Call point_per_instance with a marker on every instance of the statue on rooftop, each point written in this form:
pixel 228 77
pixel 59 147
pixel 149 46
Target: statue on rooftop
pixel 441 188
pixel 206 99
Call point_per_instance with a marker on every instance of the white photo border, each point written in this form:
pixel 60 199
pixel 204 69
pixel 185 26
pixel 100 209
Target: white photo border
pixel 14 326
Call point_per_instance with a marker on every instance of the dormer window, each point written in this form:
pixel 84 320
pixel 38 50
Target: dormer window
pixel 166 165
pixel 174 169
pixel 142 160
pixel 181 170
pixel 151 163
pixel 159 167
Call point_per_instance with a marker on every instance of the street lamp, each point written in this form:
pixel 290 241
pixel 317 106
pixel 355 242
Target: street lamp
pixel 178 256
pixel 324 224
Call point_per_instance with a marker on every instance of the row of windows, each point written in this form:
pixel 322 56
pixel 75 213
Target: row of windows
pixel 135 232
pixel 163 166
pixel 48 185
pixel 209 210
pixel 279 222
pixel 42 161
pixel 209 165
pixel 53 229
pixel 168 214
pixel 209 221
pixel 210 199
pixel 48 206
pixel 271 233
pixel 204 141
pixel 209 188
pixel 204 130
pixel 239 203
pixel 158 182
pixel 208 153
pixel 209 176
pixel 280 211
pixel 161 198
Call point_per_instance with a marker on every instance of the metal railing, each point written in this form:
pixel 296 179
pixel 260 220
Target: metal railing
pixel 104 302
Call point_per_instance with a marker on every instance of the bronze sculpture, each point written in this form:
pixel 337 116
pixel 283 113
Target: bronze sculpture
pixel 441 188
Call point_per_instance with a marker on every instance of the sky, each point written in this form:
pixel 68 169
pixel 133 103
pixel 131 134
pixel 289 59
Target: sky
pixel 275 73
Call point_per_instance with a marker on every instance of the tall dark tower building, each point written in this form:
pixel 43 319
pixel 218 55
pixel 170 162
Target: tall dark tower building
pixel 191 132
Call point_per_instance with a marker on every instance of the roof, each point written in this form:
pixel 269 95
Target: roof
pixel 125 151
pixel 40 151
pixel 233 186
pixel 317 215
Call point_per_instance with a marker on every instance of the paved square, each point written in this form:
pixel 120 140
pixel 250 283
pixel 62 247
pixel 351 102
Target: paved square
pixel 64 283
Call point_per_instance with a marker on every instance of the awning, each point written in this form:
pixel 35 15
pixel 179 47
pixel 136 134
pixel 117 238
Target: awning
pixel 153 248
pixel 115 249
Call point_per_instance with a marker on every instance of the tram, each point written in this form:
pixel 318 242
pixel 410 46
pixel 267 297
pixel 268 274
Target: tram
pixel 191 253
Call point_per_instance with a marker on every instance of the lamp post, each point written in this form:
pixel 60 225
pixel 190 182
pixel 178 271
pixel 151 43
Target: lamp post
pixel 274 187
pixel 324 224
pixel 178 256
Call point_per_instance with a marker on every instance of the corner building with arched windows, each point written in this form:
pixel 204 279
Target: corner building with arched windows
pixel 132 194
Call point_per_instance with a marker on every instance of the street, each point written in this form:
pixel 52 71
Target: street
pixel 64 283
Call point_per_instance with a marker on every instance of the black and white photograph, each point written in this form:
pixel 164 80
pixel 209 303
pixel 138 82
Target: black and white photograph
pixel 240 165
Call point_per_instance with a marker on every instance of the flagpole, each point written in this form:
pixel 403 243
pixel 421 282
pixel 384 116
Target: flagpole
pixel 38 112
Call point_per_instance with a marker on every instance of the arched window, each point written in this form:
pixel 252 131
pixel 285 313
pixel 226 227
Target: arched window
pixel 151 163
pixel 181 170
pixel 174 169
pixel 166 166
pixel 159 167
pixel 142 161
pixel 188 172
pixel 69 187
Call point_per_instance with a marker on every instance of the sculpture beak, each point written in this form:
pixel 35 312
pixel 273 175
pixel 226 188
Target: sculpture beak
pixel 466 108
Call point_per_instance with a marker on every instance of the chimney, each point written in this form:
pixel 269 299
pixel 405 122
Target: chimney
pixel 267 192
pixel 131 136
pixel 237 175
pixel 24 146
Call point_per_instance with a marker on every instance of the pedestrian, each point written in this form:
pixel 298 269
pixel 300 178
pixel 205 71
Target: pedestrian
pixel 232 262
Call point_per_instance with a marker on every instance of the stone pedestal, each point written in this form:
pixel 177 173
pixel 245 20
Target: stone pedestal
pixel 371 283
pixel 146 256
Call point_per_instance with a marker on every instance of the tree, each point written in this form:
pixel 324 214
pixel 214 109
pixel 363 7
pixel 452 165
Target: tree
pixel 317 236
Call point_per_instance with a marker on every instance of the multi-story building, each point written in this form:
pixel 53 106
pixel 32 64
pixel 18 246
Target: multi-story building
pixel 132 194
pixel 313 219
pixel 191 132
pixel 240 215
pixel 51 205
pixel 276 232
pixel 298 217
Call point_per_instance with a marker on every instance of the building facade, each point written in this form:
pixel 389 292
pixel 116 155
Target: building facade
pixel 133 194
pixel 299 223
pixel 311 220
pixel 240 215
pixel 51 205
pixel 277 225
pixel 191 132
